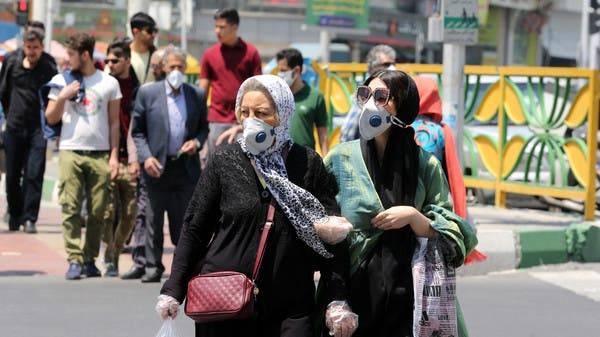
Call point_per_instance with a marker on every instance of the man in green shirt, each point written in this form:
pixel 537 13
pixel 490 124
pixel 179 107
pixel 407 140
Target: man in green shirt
pixel 310 104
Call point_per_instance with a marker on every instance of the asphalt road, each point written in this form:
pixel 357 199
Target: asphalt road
pixel 525 303
pixel 552 301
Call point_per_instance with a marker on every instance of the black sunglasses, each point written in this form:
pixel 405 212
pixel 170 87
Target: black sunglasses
pixel 113 61
pixel 380 95
pixel 386 64
pixel 151 30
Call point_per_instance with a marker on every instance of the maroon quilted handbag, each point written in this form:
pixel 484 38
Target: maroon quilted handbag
pixel 226 295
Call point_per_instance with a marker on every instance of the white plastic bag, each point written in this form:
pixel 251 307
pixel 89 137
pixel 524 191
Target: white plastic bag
pixel 167 329
pixel 434 284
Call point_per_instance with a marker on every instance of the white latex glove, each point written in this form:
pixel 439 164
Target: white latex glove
pixel 340 319
pixel 332 229
pixel 166 306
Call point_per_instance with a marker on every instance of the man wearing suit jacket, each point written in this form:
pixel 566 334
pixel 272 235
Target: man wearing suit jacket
pixel 168 127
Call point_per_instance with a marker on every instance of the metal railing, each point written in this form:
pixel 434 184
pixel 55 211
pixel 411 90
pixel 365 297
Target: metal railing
pixel 528 130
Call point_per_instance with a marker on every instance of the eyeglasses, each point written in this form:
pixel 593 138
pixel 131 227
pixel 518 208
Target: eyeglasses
pixel 113 61
pixel 386 64
pixel 380 95
pixel 151 30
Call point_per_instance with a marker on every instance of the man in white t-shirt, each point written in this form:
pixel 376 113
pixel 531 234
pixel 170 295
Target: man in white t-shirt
pixel 88 157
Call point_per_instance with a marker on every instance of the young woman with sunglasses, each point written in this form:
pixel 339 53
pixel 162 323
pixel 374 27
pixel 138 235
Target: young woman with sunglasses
pixel 395 194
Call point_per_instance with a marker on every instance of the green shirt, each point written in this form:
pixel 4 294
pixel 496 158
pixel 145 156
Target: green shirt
pixel 310 112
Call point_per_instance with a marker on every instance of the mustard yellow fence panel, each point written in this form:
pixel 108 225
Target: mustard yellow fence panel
pixel 528 130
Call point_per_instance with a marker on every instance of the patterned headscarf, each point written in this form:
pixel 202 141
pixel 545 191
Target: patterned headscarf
pixel 299 205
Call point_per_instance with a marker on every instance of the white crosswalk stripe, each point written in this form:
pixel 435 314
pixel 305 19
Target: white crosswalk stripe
pixel 582 282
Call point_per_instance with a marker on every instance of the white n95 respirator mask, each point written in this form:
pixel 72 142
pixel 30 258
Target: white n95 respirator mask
pixel 258 135
pixel 175 79
pixel 374 120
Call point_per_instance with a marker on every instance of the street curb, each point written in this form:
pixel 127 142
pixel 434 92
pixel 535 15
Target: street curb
pixel 541 246
pixel 499 246
pixel 509 249
pixel 583 242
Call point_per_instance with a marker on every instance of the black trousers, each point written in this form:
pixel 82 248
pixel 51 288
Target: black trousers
pixel 25 165
pixel 171 193
pixel 138 237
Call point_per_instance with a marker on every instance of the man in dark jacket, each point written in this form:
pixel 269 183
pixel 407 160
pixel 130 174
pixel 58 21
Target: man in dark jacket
pixel 23 73
pixel 169 127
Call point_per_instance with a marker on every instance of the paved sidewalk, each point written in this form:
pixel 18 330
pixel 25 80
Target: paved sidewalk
pixel 43 253
pixel 511 238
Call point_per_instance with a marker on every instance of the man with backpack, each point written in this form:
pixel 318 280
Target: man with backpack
pixel 88 150
pixel 23 73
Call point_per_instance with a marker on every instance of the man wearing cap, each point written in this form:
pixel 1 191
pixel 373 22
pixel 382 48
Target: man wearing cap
pixel 143 30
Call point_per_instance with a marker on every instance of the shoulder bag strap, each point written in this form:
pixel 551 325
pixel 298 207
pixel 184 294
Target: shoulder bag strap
pixel 263 239
pixel 268 223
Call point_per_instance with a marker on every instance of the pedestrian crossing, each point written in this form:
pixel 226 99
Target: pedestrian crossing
pixel 581 282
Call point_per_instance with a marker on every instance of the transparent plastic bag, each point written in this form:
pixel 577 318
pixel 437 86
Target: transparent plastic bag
pixel 167 329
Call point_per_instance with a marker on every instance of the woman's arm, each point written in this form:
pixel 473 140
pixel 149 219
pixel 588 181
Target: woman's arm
pixel 400 216
pixel 335 271
pixel 437 207
pixel 199 224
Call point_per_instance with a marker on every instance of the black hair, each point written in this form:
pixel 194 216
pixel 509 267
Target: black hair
pixel 229 14
pixel 120 47
pixel 81 42
pixel 33 34
pixel 141 20
pixel 400 166
pixel 36 24
pixel 292 56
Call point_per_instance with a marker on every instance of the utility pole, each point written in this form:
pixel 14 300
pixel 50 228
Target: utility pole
pixel 584 38
pixel 134 6
pixel 49 19
pixel 38 11
pixel 453 102
pixel 43 11
pixel 325 40
pixel 183 22
pixel 460 27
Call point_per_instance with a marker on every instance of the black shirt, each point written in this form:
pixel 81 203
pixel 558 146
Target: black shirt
pixel 19 89
pixel 382 287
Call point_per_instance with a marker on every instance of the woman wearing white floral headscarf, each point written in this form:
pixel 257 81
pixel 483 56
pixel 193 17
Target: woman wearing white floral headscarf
pixel 226 214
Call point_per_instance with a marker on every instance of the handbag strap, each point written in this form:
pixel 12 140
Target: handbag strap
pixel 263 239
pixel 268 223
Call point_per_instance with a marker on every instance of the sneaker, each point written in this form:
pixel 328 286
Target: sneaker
pixel 111 270
pixel 74 271
pixel 90 270
pixel 29 227
pixel 13 225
